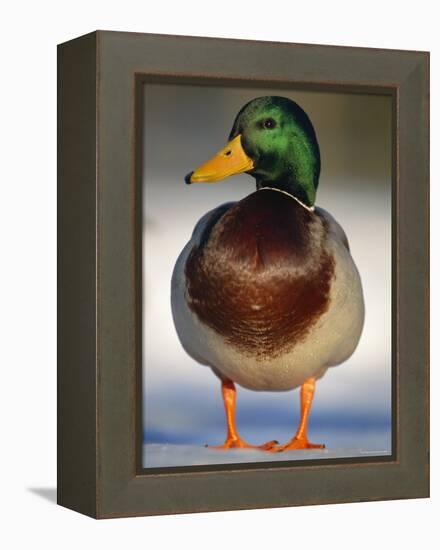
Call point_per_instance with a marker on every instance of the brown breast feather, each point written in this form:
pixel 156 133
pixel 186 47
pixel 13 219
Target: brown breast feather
pixel 261 277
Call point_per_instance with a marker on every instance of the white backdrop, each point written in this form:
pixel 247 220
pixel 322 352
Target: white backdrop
pixel 30 31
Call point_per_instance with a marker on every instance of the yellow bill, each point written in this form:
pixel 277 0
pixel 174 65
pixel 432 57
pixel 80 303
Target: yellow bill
pixel 228 161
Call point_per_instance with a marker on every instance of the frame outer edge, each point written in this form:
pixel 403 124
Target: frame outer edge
pixel 413 267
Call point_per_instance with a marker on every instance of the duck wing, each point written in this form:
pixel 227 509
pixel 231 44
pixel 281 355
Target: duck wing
pixel 188 336
pixel 333 226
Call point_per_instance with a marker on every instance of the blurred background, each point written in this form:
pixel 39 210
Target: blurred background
pixel 182 407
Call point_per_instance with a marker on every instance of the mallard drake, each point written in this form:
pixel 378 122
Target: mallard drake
pixel 266 292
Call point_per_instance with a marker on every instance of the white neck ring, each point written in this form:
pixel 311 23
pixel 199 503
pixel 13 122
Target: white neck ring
pixel 309 208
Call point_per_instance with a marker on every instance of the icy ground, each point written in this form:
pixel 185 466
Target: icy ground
pixel 163 455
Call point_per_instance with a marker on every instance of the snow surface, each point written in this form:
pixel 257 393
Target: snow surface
pixel 166 455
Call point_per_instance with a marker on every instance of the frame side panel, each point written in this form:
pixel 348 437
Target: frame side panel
pixel 77 69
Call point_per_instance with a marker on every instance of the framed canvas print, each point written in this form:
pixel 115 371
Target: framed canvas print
pixel 243 274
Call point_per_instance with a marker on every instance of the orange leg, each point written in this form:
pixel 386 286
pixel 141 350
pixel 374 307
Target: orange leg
pixel 300 440
pixel 233 440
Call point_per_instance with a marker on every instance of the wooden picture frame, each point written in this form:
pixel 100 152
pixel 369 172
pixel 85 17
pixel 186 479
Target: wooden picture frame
pixel 99 273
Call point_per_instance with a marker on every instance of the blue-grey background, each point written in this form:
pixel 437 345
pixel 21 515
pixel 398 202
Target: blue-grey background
pixel 182 406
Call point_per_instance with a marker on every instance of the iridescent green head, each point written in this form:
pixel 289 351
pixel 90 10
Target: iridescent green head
pixel 273 140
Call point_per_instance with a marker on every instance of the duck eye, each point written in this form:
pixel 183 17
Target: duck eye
pixel 269 123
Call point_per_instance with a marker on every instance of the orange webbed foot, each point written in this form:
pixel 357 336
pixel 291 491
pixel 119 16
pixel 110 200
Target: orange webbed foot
pixel 238 443
pixel 297 444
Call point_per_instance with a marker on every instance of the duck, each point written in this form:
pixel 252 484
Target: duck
pixel 266 292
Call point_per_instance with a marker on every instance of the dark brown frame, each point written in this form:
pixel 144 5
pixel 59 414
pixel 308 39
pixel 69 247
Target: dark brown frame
pixel 99 273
